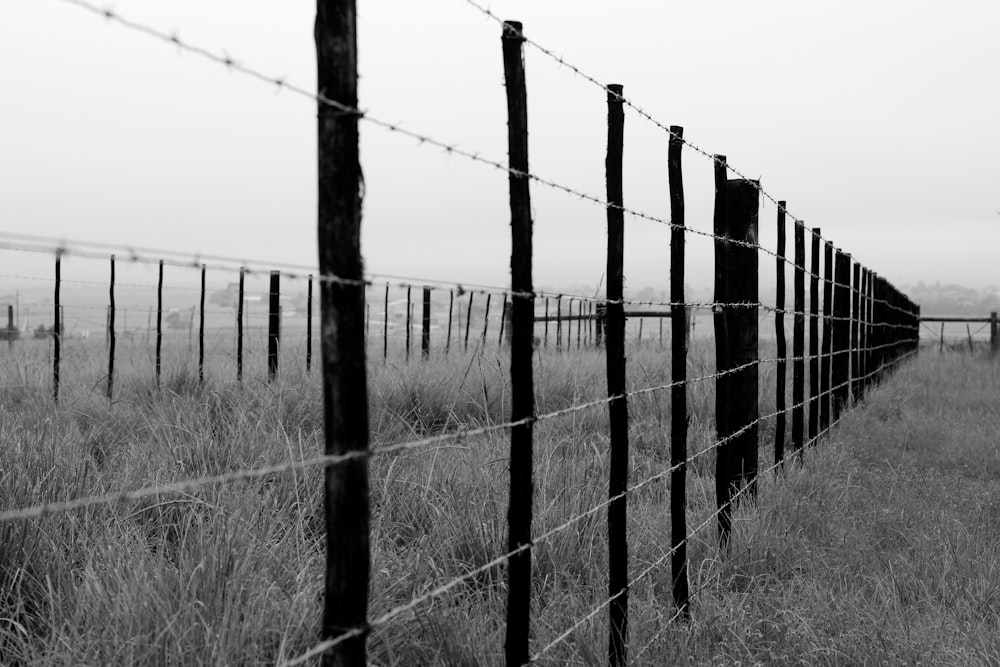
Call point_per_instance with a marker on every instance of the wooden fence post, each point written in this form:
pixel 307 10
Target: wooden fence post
pixel 855 333
pixel 516 641
pixel 201 329
pixel 239 327
pixel 486 320
pixel 111 331
pixel 558 322
pixel 798 340
pixel 678 376
pixel 993 333
pixel 841 334
pixel 618 403
pixel 824 380
pixel 779 332
pixel 546 339
pixel 385 324
pixel 159 323
pixel 56 329
pixel 723 475
pixel 814 342
pixel 468 321
pixel 503 320
pixel 409 322
pixel 345 395
pixel 451 308
pixel 425 328
pixel 737 454
pixel 309 323
pixel 273 325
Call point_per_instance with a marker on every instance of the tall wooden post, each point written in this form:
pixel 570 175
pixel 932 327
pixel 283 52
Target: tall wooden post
pixel 618 403
pixel 814 365
pixel 111 331
pixel 993 332
pixel 516 641
pixel 425 326
pixel 678 376
pixel 273 325
pixel 468 321
pixel 345 387
pixel 779 332
pixel 486 320
pixel 201 329
pixel 798 341
pixel 451 308
pixel 309 323
pixel 841 334
pixel 824 381
pixel 385 326
pixel 239 327
pixel 559 322
pixel 56 329
pixel 737 456
pixel 409 323
pixel 159 323
pixel 722 364
pixel 855 332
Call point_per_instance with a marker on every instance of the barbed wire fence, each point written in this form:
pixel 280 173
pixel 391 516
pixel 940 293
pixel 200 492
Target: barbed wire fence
pixel 868 329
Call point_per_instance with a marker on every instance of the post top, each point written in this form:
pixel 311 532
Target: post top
pixel 513 30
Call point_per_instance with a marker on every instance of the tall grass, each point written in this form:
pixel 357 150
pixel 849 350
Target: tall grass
pixel 880 548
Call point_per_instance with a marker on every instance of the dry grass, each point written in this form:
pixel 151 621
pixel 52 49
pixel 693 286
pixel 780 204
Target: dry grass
pixel 880 549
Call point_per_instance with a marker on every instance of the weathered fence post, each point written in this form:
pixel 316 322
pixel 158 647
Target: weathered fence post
pixel 559 322
pixel 600 321
pixel 425 328
pixel 798 340
pixel 993 332
pixel 56 329
pixel 239 327
pixel 516 641
pixel 111 331
pixel 737 455
pixel 273 325
pixel 468 321
pixel 451 308
pixel 345 395
pixel 814 343
pixel 409 318
pixel 723 475
pixel 824 380
pixel 486 321
pixel 385 324
pixel 201 329
pixel 779 332
pixel 841 334
pixel 678 376
pixel 309 323
pixel 503 320
pixel 618 402
pixel 855 333
pixel 546 339
pixel 159 323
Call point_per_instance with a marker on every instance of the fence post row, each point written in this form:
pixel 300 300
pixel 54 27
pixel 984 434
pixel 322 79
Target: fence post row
pixel 345 395
pixel 618 403
pixel 516 641
pixel 678 376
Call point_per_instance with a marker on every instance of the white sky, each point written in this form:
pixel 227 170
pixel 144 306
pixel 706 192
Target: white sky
pixel 877 121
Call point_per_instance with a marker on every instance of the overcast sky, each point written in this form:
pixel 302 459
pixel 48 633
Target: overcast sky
pixel 877 121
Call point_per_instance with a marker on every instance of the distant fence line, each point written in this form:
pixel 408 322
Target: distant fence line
pixel 865 328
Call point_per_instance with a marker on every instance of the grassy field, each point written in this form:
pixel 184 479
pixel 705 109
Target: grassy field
pixel 881 549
